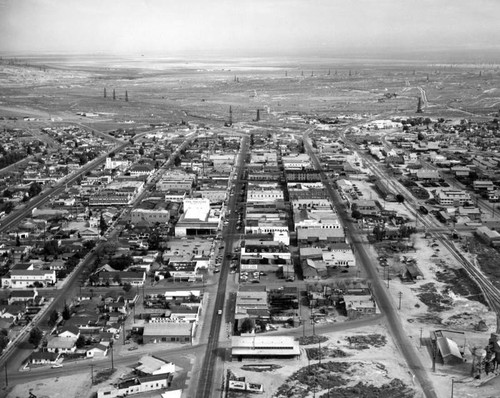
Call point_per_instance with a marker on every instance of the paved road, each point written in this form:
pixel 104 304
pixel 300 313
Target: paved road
pixel 384 301
pixel 12 357
pixel 209 369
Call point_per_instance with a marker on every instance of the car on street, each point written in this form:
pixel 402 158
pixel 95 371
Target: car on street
pixel 57 365
pixel 133 348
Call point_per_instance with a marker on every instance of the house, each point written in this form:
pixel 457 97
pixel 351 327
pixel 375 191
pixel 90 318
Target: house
pixel 99 350
pixel 313 269
pixel 43 358
pixel 61 344
pixel 69 332
pixel 151 365
pixel 22 295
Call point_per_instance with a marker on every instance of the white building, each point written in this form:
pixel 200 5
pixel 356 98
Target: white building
pixel 21 278
pixel 152 216
pixel 453 197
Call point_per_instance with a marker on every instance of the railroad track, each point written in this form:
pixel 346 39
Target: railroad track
pixel 489 290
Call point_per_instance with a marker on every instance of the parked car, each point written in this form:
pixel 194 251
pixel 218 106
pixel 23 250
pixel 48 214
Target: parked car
pixel 133 348
pixel 57 365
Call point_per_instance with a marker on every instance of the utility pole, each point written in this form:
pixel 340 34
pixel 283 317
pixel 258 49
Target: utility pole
pixel 114 95
pixel 126 96
pixel 400 294
pixel 104 92
pixel 6 378
pixel 92 373
pixel 112 359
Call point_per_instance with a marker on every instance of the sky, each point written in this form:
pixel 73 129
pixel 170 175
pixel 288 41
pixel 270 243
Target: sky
pixel 249 27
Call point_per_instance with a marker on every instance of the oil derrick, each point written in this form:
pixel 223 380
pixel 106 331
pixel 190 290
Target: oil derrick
pixel 312 74
pixel 126 96
pixel 350 73
pixel 114 95
pixel 286 73
pixel 257 117
pixel 427 77
pixel 328 72
pixel 235 78
pixel 302 73
pixel 335 72
pixel 229 123
pixel 419 105
pixel 413 72
pixel 104 92
pixel 480 73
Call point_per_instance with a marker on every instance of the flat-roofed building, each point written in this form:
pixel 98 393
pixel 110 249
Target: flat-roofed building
pixel 253 346
pixel 198 218
pixel 310 218
pixel 483 185
pixel 452 197
pixel 181 332
pixel 490 236
pixel 152 216
pixel 305 236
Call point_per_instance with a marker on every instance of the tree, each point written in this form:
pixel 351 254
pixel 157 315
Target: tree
pixel 400 198
pixel 122 262
pixel 4 339
pixel 127 287
pixel 54 316
pixel 80 342
pixel 177 161
pixel 34 189
pixel 51 248
pixel 35 336
pixel 66 313
pixel 356 214
pixel 247 326
pixel 379 233
pixel 117 279
pixel 103 226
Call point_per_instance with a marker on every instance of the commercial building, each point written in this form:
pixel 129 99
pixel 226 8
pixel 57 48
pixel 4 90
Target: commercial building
pixel 452 197
pixel 181 332
pixel 150 216
pixel 247 347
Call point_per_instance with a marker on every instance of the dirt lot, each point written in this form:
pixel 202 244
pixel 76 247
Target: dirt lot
pixel 360 361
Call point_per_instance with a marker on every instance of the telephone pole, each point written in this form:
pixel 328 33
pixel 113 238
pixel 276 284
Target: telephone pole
pixel 104 92
pixel 126 96
pixel 114 95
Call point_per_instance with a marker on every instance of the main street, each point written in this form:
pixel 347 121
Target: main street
pixel 384 301
pixel 208 370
